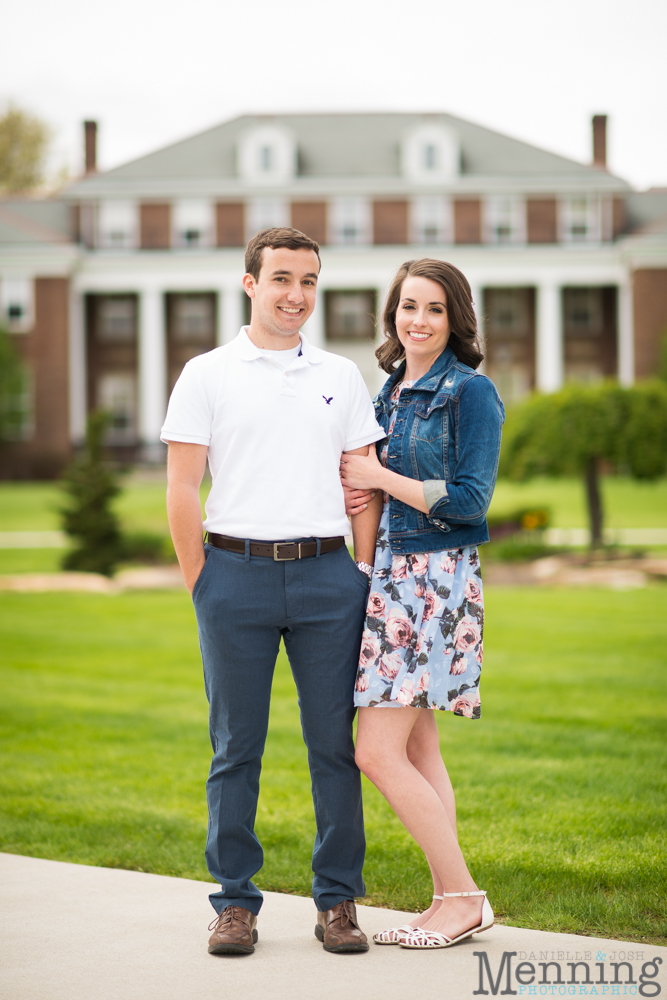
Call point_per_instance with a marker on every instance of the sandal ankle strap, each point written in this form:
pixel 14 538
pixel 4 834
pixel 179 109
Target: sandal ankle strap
pixel 478 892
pixel 437 897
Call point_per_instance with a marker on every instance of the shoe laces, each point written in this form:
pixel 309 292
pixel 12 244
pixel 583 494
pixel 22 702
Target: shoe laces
pixel 347 915
pixel 226 917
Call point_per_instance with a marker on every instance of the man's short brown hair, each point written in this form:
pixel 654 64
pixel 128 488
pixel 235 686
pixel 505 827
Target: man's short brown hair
pixel 281 236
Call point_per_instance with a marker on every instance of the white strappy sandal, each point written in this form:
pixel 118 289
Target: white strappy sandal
pixel 394 935
pixel 419 938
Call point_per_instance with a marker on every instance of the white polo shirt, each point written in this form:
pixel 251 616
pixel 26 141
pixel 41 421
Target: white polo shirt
pixel 274 437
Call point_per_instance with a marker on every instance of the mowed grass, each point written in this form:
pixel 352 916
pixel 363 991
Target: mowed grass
pixel 560 786
pixel 141 506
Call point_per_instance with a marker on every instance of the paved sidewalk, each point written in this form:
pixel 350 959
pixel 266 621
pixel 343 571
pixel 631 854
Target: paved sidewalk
pixel 74 932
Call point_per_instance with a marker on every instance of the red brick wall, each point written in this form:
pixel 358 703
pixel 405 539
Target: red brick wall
pixel 155 226
pixel 310 217
pixel 541 220
pixel 230 224
pixel 390 222
pixel 649 296
pixel 467 220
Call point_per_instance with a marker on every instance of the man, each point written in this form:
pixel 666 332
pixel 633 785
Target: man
pixel 273 415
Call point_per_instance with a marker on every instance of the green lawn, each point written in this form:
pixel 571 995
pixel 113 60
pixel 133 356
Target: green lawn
pixel 560 786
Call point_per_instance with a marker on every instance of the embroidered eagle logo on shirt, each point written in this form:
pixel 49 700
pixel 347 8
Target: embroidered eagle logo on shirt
pixel 327 401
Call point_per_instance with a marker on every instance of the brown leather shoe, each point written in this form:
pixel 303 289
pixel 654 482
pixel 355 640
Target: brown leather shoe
pixel 234 932
pixel 338 929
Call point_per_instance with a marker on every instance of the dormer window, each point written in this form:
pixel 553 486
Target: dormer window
pixel 267 155
pixel 430 154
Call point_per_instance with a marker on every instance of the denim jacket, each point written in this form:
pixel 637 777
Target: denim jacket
pixel 446 434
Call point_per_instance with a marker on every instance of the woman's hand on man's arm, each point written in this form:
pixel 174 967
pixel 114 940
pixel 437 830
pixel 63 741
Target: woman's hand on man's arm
pixel 358 472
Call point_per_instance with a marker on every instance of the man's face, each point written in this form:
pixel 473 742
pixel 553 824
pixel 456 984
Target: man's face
pixel 283 297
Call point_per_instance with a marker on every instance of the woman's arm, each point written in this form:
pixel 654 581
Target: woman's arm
pixel 366 473
pixel 365 523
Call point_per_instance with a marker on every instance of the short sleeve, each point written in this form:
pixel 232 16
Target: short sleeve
pixel 189 414
pixel 362 427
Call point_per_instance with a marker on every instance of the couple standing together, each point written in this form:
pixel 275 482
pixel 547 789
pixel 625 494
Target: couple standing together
pixel 394 633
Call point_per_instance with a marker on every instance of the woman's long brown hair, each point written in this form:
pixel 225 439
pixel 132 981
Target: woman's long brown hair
pixel 464 337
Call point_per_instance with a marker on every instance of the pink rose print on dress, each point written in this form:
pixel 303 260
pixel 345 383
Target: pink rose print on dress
pixel 464 705
pixel 447 564
pixel 479 655
pixel 420 590
pixel 370 650
pixel 420 642
pixel 458 666
pixel 468 635
pixel 407 693
pixel 422 687
pixel 431 605
pixel 420 564
pixel 362 682
pixel 399 568
pixel 376 605
pixel 398 630
pixel 389 665
pixel 473 591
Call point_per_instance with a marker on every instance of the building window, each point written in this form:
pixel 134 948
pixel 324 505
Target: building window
pixel 430 154
pixel 579 220
pixel 16 305
pixel 267 155
pixel 431 220
pixel 116 320
pixel 350 315
pixel 266 213
pixel 116 395
pixel 509 334
pixel 193 223
pixel 505 219
pixel 191 327
pixel 589 333
pixel 266 158
pixel 117 225
pixel 350 221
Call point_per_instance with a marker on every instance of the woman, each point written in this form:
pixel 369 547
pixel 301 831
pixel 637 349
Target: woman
pixel 422 643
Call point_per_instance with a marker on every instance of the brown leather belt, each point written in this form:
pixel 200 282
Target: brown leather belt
pixel 278 551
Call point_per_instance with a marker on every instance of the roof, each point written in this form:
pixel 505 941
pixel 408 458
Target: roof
pixel 646 210
pixel 25 222
pixel 345 147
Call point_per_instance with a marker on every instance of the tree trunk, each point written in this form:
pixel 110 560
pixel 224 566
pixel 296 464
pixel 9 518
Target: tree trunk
pixel 594 499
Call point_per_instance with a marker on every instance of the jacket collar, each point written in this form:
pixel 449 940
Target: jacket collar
pixel 428 382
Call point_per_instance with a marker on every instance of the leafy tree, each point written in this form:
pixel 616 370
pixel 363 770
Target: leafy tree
pixel 14 390
pixel 89 518
pixel 576 430
pixel 24 142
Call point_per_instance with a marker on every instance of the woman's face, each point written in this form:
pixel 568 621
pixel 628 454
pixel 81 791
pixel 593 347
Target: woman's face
pixel 422 323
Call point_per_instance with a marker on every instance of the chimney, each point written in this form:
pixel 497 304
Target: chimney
pixel 90 146
pixel 600 141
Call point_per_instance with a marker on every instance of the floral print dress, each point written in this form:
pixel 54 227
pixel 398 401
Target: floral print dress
pixel 422 641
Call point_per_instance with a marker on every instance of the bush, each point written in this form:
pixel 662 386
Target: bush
pixel 147 547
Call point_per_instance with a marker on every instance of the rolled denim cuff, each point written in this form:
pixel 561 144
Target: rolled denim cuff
pixel 435 490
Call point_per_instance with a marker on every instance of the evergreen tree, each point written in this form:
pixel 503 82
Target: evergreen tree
pixel 89 518
pixel 576 430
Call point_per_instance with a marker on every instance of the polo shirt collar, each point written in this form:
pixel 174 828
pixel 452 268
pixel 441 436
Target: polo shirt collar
pixel 247 351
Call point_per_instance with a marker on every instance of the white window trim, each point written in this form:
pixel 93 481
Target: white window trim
pixel 490 218
pixel 128 223
pixel 348 211
pixel 444 219
pixel 193 214
pixel 593 219
pixel 17 290
pixel 264 213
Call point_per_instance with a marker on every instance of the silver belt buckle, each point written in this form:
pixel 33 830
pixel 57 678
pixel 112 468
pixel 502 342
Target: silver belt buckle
pixel 278 558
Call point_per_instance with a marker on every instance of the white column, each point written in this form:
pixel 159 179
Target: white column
pixel 230 313
pixel 77 369
pixel 626 336
pixel 314 328
pixel 549 340
pixel 152 371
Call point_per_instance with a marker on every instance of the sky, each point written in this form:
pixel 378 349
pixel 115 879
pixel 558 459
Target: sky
pixel 152 72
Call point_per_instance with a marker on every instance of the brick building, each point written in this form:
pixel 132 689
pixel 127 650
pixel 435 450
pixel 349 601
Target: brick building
pixel 111 288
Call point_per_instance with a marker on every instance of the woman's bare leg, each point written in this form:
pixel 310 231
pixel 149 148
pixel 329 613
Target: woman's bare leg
pixel 397 751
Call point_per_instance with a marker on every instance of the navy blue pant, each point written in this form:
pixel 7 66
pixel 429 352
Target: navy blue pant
pixel 244 605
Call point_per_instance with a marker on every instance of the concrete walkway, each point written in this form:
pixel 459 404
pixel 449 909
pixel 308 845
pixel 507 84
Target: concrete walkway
pixel 73 932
